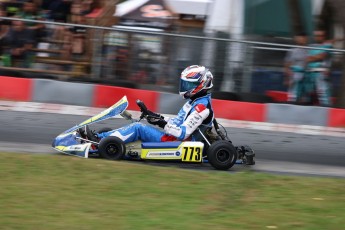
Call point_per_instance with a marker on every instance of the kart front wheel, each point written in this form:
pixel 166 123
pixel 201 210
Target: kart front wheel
pixel 222 155
pixel 112 148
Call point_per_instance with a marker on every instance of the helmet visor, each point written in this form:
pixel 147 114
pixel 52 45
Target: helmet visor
pixel 188 85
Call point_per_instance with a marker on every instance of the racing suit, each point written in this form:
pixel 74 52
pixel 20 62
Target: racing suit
pixel 193 114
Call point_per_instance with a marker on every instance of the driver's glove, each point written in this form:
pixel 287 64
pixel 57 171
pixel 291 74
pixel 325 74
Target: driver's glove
pixel 149 113
pixel 155 119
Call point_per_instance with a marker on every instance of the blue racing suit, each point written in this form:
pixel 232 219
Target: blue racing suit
pixel 193 114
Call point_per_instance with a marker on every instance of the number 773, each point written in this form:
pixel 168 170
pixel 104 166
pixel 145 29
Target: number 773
pixel 191 154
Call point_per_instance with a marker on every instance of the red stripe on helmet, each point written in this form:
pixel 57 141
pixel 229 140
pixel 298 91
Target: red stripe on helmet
pixel 192 74
pixel 198 88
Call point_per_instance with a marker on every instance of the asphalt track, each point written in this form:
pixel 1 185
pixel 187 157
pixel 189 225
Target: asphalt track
pixel 275 151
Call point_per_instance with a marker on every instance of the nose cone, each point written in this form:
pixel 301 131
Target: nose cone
pixel 65 140
pixel 56 141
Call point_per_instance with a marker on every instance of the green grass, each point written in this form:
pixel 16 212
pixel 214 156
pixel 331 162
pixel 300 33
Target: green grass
pixel 62 192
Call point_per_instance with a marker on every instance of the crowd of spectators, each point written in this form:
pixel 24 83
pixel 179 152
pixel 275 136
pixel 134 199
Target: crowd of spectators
pixel 68 41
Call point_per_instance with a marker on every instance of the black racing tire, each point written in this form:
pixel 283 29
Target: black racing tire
pixel 222 155
pixel 105 129
pixel 112 148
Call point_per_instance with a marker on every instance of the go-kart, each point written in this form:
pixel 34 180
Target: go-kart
pixel 211 145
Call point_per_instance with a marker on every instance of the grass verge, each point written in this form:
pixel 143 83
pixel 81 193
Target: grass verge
pixel 62 192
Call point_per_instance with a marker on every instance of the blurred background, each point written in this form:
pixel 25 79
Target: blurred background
pixel 146 44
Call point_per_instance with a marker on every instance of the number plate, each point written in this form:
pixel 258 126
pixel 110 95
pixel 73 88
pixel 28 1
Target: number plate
pixel 192 151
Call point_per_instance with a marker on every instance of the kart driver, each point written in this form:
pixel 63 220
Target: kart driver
pixel 195 83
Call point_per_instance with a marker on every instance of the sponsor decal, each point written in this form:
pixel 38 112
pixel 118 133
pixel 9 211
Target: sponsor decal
pixel 160 154
pixel 76 148
pixel 178 153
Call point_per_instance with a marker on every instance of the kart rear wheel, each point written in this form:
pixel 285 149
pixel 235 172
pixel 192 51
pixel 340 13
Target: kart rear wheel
pixel 112 148
pixel 222 155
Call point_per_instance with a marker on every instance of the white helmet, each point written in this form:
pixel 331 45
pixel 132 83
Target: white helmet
pixel 195 79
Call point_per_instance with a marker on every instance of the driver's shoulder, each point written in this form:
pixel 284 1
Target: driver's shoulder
pixel 201 106
pixel 205 100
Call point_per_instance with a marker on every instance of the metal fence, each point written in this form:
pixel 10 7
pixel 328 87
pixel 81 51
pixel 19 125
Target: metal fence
pixel 153 59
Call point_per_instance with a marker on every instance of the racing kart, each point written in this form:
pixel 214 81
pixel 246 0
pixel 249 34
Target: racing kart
pixel 212 145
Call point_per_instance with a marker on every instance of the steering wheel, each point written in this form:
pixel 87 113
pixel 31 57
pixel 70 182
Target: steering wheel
pixel 143 109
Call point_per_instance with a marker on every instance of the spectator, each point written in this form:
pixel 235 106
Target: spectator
pixel 45 4
pixel 57 10
pixel 4 24
pixel 79 35
pixel 18 41
pixel 318 64
pixel 4 28
pixel 76 35
pixel 76 11
pixel 73 38
pixel 87 6
pixel 30 12
pixel 11 7
pixel 294 69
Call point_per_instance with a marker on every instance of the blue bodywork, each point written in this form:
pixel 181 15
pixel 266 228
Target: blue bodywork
pixel 65 140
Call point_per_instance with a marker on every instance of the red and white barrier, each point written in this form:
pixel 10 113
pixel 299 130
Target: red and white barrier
pixel 22 90
pixel 16 89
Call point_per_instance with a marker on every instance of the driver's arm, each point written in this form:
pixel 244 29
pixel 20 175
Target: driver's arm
pixel 192 122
